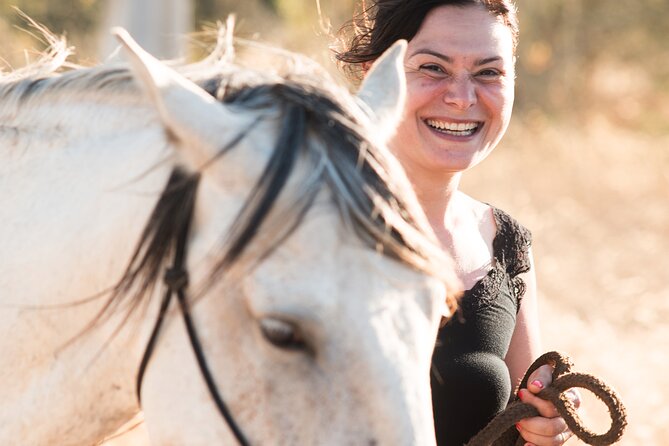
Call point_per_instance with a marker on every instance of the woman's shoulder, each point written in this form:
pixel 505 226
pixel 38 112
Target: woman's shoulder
pixel 512 242
pixel 509 227
pixel 510 248
pixel 502 225
pixel 477 211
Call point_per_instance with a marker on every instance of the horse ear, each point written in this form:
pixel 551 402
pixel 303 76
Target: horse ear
pixel 384 88
pixel 188 113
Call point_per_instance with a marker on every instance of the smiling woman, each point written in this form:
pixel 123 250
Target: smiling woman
pixel 460 86
pixel 460 69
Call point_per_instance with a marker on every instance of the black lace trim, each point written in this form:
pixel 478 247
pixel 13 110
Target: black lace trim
pixel 511 253
pixel 511 244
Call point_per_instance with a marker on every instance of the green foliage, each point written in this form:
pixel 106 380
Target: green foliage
pixel 78 20
pixel 270 4
pixel 62 16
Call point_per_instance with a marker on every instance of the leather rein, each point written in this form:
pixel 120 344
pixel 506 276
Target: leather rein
pixel 176 281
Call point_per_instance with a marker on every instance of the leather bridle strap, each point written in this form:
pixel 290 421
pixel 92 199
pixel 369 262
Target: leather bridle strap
pixel 176 280
pixel 204 369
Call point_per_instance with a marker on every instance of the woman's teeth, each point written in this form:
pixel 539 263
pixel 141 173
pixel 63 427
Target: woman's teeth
pixel 453 128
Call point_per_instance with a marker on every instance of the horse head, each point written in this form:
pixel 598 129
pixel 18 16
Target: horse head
pixel 314 284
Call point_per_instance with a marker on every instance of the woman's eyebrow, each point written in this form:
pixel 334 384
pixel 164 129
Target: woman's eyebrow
pixel 487 60
pixel 436 54
pixel 449 59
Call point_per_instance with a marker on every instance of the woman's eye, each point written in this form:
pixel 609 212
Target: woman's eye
pixel 282 334
pixel 489 73
pixel 432 68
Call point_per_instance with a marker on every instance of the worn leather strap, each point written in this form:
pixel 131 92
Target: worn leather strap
pixel 501 430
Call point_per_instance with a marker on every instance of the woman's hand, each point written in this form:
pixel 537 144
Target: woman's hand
pixel 548 429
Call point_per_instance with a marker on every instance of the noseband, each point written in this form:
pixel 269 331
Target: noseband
pixel 176 281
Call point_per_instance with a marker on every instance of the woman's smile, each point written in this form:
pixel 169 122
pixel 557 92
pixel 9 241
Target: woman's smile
pixel 459 129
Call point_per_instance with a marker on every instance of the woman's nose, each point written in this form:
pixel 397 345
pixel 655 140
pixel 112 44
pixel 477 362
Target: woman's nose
pixel 461 93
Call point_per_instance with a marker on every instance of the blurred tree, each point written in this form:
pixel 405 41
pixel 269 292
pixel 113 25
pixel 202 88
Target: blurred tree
pixel 249 11
pixel 78 17
pixel 159 26
pixel 270 4
pixel 577 58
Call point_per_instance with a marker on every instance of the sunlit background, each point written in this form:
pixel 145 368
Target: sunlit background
pixel 585 164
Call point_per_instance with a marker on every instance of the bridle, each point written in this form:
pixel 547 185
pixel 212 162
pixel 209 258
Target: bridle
pixel 176 281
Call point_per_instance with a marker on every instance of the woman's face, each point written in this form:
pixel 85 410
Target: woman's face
pixel 460 81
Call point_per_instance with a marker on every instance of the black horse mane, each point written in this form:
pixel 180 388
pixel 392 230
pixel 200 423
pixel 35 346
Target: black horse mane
pixel 305 111
pixel 317 125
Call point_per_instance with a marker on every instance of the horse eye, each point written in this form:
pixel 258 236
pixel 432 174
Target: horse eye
pixel 282 334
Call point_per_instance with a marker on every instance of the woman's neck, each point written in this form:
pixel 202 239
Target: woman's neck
pixel 436 195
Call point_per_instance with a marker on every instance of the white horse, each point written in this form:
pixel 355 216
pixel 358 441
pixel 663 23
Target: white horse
pixel 314 289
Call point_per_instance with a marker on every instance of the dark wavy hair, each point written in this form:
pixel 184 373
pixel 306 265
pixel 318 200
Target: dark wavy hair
pixel 380 23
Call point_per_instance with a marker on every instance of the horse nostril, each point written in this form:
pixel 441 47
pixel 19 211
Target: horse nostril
pixel 371 443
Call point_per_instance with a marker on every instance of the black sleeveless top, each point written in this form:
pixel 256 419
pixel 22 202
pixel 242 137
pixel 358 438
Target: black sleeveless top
pixel 470 381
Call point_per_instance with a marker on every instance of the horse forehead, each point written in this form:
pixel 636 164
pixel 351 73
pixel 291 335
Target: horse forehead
pixel 326 265
pixel 251 147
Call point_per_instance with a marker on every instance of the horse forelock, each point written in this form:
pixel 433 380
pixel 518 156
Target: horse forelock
pixel 315 128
